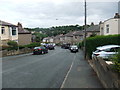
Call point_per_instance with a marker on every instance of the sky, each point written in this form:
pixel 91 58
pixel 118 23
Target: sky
pixel 48 13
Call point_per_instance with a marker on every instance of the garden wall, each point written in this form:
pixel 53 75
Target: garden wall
pixel 15 52
pixel 105 73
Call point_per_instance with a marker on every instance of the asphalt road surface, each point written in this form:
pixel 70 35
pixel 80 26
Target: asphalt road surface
pixel 55 69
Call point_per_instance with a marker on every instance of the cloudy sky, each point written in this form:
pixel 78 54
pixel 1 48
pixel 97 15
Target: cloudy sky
pixel 47 13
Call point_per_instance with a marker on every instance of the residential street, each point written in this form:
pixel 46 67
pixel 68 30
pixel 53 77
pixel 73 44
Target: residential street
pixel 57 69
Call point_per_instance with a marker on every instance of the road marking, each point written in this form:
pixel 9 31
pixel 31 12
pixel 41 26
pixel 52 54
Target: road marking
pixel 68 73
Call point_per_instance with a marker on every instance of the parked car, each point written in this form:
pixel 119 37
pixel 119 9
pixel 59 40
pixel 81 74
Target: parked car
pixel 50 47
pixel 40 50
pixel 65 46
pixel 106 51
pixel 73 48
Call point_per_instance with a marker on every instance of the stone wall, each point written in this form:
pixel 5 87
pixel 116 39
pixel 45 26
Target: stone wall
pixel 108 77
pixel 14 52
pixel 24 39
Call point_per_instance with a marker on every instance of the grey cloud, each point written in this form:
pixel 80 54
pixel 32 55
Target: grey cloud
pixel 44 14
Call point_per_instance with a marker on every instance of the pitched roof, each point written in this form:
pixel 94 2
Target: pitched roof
pixel 21 30
pixel 78 33
pixel 6 23
pixel 93 28
pixel 75 33
pixel 69 34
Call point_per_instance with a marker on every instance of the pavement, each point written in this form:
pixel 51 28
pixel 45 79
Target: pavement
pixel 58 69
pixel 81 75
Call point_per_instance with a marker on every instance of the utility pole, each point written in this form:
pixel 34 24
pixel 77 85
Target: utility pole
pixel 85 31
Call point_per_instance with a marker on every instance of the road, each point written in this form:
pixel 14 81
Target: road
pixel 53 70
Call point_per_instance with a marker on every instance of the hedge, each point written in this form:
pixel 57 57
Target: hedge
pixel 93 42
pixel 32 45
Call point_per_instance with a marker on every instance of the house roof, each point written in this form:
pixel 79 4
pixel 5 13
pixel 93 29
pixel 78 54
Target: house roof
pixel 93 28
pixel 75 33
pixel 69 34
pixel 3 23
pixel 58 36
pixel 21 30
pixel 78 33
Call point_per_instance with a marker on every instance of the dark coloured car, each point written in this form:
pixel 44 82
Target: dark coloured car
pixel 50 47
pixel 40 50
pixel 74 48
pixel 65 46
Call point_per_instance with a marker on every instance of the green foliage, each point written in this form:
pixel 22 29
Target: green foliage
pixel 21 46
pixel 53 31
pixel 32 45
pixel 116 61
pixel 39 36
pixel 12 45
pixel 5 47
pixel 93 35
pixel 93 42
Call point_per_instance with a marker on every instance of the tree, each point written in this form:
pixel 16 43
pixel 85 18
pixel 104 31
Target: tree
pixel 39 36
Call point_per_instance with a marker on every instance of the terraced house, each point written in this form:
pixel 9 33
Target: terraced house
pixel 8 32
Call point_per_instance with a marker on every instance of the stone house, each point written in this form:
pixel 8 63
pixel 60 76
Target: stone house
pixel 71 37
pixel 58 39
pixel 93 29
pixel 48 39
pixel 24 36
pixel 8 32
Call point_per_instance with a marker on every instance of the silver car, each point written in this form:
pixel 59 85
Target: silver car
pixel 106 51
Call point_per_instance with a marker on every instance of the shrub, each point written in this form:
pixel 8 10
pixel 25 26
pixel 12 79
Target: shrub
pixel 93 42
pixel 5 47
pixel 12 45
pixel 21 46
pixel 116 61
pixel 32 45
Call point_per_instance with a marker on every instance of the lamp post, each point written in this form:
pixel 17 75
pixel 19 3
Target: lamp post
pixel 85 31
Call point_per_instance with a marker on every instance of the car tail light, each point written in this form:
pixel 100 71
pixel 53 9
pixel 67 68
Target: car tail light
pixel 39 49
pixel 97 54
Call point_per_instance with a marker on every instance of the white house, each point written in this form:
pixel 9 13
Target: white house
pixel 48 39
pixel 8 32
pixel 111 26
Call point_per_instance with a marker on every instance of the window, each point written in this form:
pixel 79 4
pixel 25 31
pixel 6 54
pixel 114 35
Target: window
pixel 13 30
pixel 2 30
pixel 115 49
pixel 107 28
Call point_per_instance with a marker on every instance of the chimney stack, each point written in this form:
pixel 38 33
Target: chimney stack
pixel 117 15
pixel 92 24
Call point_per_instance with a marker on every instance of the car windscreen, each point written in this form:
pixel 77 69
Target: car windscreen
pixel 98 50
pixel 114 49
pixel 36 47
pixel 74 47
